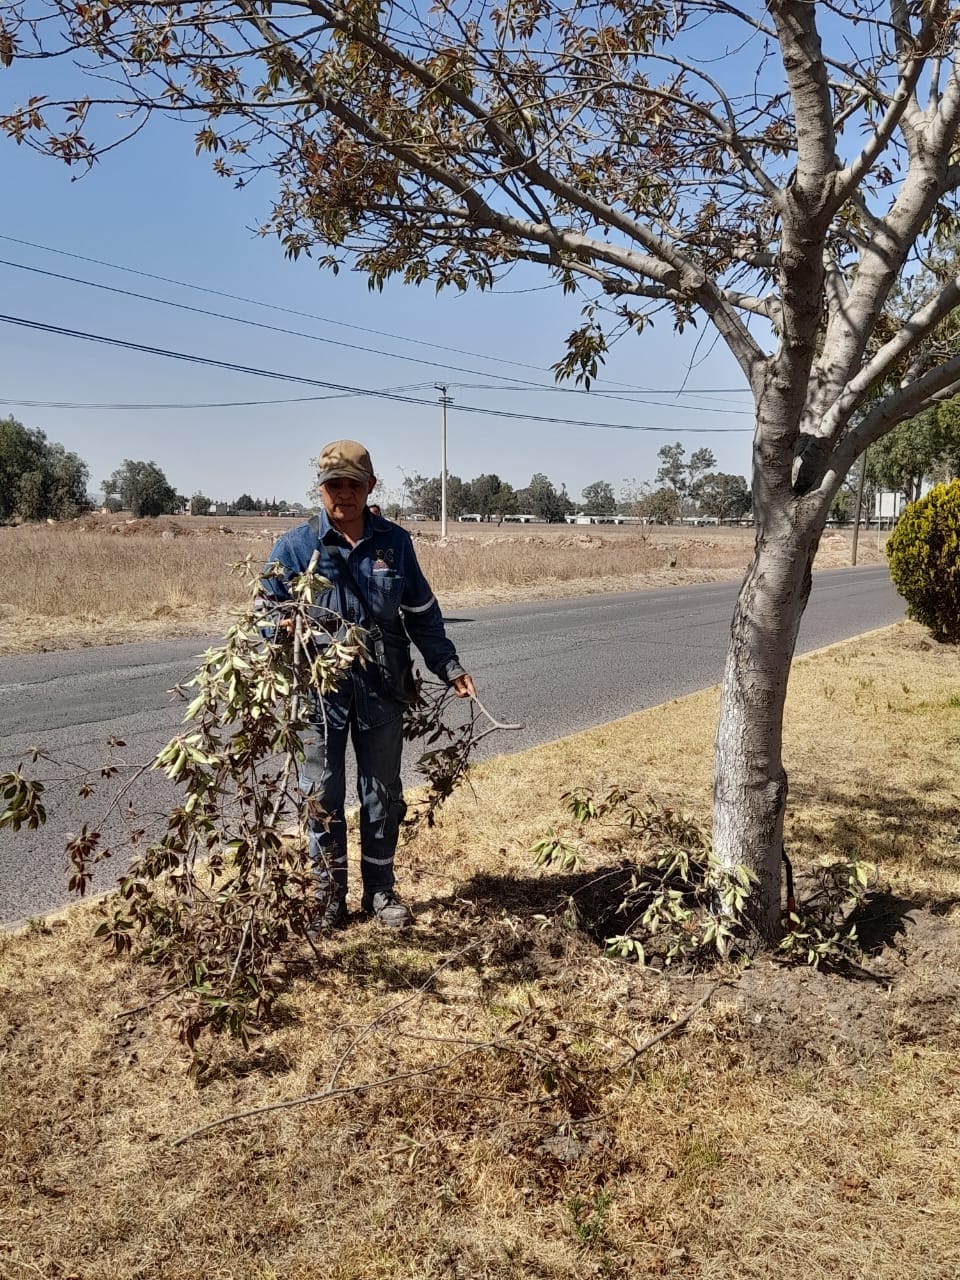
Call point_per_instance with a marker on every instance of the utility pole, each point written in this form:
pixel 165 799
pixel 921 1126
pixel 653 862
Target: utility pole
pixel 444 401
pixel 859 506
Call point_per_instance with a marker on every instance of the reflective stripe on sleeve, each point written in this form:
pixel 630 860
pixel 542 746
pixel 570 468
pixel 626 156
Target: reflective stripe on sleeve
pixel 420 608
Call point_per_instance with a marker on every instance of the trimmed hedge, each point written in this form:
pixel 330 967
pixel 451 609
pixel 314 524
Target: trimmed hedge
pixel 924 556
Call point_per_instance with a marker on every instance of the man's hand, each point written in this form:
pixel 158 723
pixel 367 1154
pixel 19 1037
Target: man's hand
pixel 463 687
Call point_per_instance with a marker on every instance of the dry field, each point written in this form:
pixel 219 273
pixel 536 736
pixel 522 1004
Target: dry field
pixel 490 1098
pixel 106 580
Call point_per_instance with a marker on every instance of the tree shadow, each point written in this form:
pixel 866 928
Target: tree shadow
pixel 891 828
pixel 598 896
pixel 493 925
pixel 882 919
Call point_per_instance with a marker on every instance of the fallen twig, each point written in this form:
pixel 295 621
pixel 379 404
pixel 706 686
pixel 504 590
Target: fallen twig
pixel 670 1030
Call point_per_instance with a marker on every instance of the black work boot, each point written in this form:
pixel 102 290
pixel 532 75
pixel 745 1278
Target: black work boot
pixel 385 907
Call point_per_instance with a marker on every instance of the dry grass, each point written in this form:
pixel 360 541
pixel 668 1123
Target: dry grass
pixel 97 581
pixel 801 1123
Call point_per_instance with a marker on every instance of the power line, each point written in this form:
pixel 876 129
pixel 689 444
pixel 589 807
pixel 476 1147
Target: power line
pixel 257 324
pixel 272 306
pixel 512 384
pixel 179 404
pixel 273 400
pixel 253 302
pixel 646 402
pixel 234 367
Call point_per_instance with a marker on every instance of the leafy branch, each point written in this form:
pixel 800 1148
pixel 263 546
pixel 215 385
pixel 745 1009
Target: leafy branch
pixel 218 892
pixel 681 905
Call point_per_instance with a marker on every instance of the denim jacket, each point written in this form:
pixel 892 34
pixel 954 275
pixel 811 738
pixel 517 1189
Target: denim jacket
pixel 397 595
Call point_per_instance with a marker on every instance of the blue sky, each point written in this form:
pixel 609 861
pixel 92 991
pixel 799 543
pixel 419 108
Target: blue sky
pixel 152 205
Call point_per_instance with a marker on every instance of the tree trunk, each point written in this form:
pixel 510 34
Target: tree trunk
pixel 750 784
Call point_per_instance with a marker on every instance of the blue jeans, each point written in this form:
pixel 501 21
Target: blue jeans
pixel 378 750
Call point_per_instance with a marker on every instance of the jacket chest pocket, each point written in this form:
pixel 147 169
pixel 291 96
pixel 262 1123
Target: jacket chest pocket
pixel 386 592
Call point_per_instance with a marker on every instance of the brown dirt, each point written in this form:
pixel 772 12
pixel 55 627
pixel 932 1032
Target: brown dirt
pixel 904 991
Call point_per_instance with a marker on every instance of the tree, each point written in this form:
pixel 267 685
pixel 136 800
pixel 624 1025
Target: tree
pixel 721 496
pixel 659 506
pixel 456 503
pixel 143 489
pixel 917 450
pixel 633 496
pixel 843 505
pixel 701 461
pixel 200 505
pixel 680 475
pixel 598 499
pixel 673 472
pixel 543 500
pixel 246 503
pixel 480 494
pixel 947 462
pixel 425 496
pixel 39 479
pixel 779 192
pixel 505 501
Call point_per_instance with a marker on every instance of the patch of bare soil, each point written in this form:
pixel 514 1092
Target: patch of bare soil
pixel 904 992
pixel 907 993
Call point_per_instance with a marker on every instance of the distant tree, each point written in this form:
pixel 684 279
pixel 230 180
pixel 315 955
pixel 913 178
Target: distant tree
pixel 680 474
pixel 200 505
pixel 21 449
pixel 701 461
pixel 659 506
pixel 633 494
pixel 673 472
pixel 143 489
pixel 456 496
pixel 543 500
pixel 246 503
pixel 481 494
pixel 425 498
pixel 843 506
pixel 721 496
pixel 408 491
pixel 38 479
pixel 926 447
pixel 598 499
pixel 947 464
pixel 505 503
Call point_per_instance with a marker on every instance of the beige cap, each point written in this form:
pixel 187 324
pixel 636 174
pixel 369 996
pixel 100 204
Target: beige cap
pixel 344 458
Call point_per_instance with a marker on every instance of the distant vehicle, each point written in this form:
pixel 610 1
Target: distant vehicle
pixel 471 515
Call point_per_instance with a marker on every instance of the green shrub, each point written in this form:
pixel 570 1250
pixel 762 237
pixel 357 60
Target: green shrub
pixel 924 555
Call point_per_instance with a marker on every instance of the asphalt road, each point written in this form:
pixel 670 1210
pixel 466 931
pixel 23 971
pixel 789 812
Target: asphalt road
pixel 557 665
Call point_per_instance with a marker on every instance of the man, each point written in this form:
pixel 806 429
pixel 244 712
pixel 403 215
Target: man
pixel 376 582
